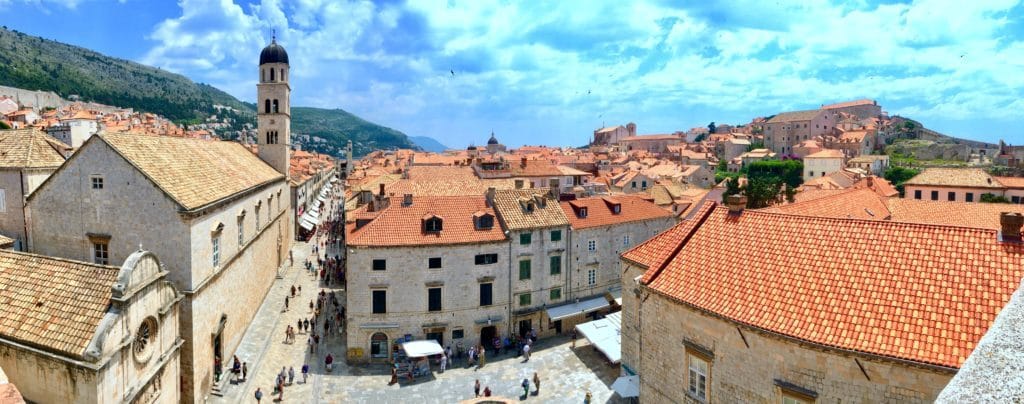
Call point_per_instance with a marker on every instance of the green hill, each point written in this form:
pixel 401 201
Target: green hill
pixel 34 63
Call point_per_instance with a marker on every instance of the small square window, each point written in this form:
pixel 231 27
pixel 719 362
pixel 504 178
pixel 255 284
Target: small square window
pixel 434 263
pixel 935 195
pixel 458 334
pixel 556 294
pixel 951 196
pixel 556 235
pixel 556 265
pixel 592 245
pixel 525 238
pixel 380 265
pixel 625 240
pixel 917 194
pixel 100 253
pixel 969 197
pixel 524 299
pixel 97 182
pixel 524 270
pixel 592 277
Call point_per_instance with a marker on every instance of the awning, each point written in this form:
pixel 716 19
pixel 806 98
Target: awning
pixel 489 320
pixel 605 335
pixel 627 386
pixel 580 307
pixel 308 221
pixel 421 348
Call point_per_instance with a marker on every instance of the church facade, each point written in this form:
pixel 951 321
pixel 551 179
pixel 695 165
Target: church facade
pixel 217 215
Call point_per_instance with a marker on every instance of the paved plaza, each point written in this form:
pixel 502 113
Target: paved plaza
pixel 566 374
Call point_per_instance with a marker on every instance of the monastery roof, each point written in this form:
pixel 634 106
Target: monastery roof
pixel 533 168
pixel 599 211
pixel 399 225
pixel 954 177
pixel 445 181
pixel 29 148
pixel 193 172
pixel 852 204
pixel 854 103
pixel 921 293
pixel 795 116
pixel 511 206
pixel 608 129
pixel 827 153
pixel 965 214
pixel 52 303
pixel 640 138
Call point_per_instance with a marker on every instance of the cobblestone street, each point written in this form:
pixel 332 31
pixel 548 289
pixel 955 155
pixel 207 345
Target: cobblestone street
pixel 566 374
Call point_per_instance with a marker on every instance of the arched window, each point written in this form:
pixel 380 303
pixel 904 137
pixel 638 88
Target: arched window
pixel 379 345
pixel 282 75
pixel 271 74
pixel 275 106
pixel 266 106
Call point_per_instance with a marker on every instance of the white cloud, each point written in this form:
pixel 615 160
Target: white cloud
pixel 580 63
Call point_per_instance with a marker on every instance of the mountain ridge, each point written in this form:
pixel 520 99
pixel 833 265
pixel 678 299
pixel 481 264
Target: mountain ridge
pixel 34 63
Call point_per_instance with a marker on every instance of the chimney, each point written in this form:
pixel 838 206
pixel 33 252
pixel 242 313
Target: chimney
pixel 553 193
pixel 1011 223
pixel 736 203
pixel 381 193
pixel 407 200
pixel 523 162
pixel 489 197
pixel 871 181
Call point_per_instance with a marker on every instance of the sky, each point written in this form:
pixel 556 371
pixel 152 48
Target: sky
pixel 551 72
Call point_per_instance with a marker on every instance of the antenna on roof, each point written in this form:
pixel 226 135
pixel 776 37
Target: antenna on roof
pixel 273 35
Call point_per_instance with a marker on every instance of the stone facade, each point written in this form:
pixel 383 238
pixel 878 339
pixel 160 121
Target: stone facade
pixel 66 217
pixel 407 277
pixel 816 166
pixel 781 134
pixel 542 284
pixel 116 368
pixel 15 184
pixel 746 365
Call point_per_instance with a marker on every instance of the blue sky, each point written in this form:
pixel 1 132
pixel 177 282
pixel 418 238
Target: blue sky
pixel 550 72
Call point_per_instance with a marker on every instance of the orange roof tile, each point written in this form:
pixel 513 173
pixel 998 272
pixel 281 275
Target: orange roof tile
pixel 653 253
pixel 954 177
pixel 53 303
pixel 854 204
pixel 966 214
pixel 599 211
pixel 1011 182
pixel 915 292
pixel 510 205
pixel 399 225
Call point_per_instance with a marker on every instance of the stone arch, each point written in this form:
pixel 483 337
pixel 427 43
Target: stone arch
pixel 380 344
pixel 271 74
pixel 266 106
pixel 275 106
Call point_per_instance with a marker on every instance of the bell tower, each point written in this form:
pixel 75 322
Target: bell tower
pixel 273 106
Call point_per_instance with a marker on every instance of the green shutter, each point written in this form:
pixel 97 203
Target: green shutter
pixel 524 269
pixel 556 294
pixel 525 238
pixel 556 235
pixel 556 265
pixel 524 299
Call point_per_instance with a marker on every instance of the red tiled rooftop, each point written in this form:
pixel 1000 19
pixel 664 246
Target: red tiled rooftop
pixel 599 211
pixel 399 225
pixel 653 253
pixel 921 293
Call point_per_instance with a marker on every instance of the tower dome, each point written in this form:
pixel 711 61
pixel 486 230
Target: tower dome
pixel 492 140
pixel 273 53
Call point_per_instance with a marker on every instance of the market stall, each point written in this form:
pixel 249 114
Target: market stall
pixel 413 358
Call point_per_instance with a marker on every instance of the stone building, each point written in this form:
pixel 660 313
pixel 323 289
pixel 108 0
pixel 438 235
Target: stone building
pixel 735 305
pixel 612 134
pixel 953 184
pixel 75 332
pixel 27 158
pixel 602 228
pixel 218 215
pixel 861 109
pixel 310 176
pixel 788 129
pixel 538 248
pixel 823 163
pixel 432 267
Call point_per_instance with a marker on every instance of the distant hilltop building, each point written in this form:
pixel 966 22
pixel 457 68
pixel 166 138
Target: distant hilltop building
pixel 613 134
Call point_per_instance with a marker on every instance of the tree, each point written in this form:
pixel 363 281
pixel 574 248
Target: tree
pixel 4 125
pixel 700 138
pixel 898 175
pixel 755 145
pixel 711 127
pixel 993 198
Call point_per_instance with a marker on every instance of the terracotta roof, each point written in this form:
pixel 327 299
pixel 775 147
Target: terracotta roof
pixel 853 204
pixel 1011 182
pixel 193 172
pixel 609 129
pixel 399 225
pixel 915 292
pixel 52 303
pixel 445 181
pixel 640 138
pixel 966 214
pixel 534 168
pixel 653 253
pixel 510 207
pixel 849 104
pixel 599 211
pixel 813 193
pixel 954 177
pixel 827 153
pixel 29 148
pixel 795 116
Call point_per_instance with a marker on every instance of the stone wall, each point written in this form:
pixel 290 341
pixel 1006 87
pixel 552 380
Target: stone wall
pixel 747 370
pixel 53 380
pixel 604 260
pixel 406 280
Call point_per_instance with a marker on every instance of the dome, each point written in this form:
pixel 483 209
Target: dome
pixel 273 53
pixel 492 140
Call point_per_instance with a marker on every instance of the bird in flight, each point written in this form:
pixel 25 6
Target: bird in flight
pixel 453 72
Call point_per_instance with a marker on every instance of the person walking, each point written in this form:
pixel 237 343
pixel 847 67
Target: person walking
pixel 536 383
pixel 245 371
pixel 291 375
pixel 293 290
pixel 526 352
pixel 259 394
pixel 476 388
pixel 280 388
pixel 286 303
pixel 444 362
pixel 482 357
pixel 305 372
pixel 526 387
pixel 487 391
